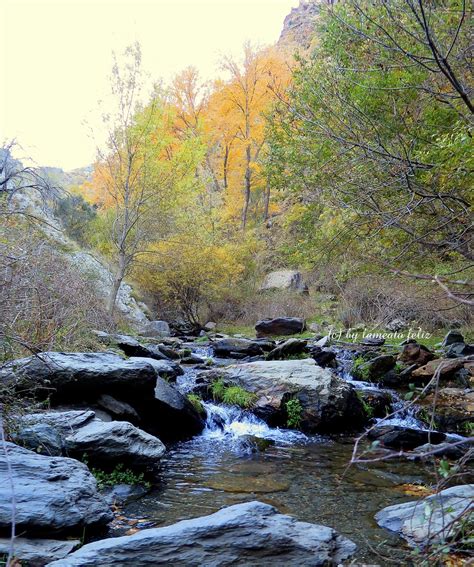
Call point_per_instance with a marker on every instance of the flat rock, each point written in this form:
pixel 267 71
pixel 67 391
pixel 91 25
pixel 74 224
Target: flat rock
pixel 52 494
pixel 38 552
pixel 431 520
pixel 280 326
pixel 156 329
pixel 252 533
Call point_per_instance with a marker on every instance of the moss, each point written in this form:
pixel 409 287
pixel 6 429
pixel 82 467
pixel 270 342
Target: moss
pixel 232 395
pixel 360 368
pixel 196 401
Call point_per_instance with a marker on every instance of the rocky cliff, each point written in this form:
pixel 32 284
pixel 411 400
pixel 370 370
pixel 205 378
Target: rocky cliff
pixel 299 25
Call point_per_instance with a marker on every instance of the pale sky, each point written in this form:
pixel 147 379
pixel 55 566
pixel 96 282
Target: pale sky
pixel 56 58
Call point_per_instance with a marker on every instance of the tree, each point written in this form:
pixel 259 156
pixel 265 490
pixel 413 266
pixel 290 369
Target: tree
pixel 378 128
pixel 248 94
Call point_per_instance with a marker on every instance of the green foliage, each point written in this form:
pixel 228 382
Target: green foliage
pixel 232 395
pixel 76 215
pixel 196 401
pixel 368 409
pixel 119 475
pixel 294 411
pixel 367 135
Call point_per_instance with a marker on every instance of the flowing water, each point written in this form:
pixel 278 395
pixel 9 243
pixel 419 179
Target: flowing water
pixel 304 476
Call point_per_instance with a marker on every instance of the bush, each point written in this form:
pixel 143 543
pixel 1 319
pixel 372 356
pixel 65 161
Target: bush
pixel 45 302
pixel 75 214
pixel 376 301
pixel 294 412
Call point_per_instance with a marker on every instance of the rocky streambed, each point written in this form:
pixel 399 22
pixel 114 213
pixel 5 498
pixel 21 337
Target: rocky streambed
pixel 171 412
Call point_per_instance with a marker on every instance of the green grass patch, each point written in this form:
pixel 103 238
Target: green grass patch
pixel 232 395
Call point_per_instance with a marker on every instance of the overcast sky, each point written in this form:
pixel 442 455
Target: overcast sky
pixel 56 57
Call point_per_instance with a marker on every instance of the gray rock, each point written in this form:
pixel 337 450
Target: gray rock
pixel 81 433
pixel 52 494
pixel 38 552
pixel 252 533
pixel 290 280
pixel 237 348
pixel 119 409
pixel 132 347
pixel 452 337
pixel 280 326
pixel 156 329
pixel 72 376
pixel 115 442
pixel 431 520
pixel 459 350
pixel 40 437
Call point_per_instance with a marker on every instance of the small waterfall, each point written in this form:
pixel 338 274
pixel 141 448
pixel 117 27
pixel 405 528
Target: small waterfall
pixel 227 423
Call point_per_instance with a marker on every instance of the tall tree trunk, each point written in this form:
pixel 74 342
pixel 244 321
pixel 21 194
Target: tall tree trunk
pixel 226 164
pixel 267 201
pixel 248 182
pixel 118 279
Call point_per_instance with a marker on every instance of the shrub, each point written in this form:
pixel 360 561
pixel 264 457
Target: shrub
pixel 119 475
pixel 294 412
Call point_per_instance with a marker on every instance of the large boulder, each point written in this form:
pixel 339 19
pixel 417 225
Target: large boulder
pixel 431 520
pixel 86 377
pixel 237 348
pixel 289 280
pixel 328 403
pixel 156 329
pixel 37 552
pixel 81 433
pixel 280 326
pixel 52 494
pixel 71 376
pixel 252 533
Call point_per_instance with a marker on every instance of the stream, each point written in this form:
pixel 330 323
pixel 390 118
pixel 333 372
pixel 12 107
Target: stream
pixel 304 476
